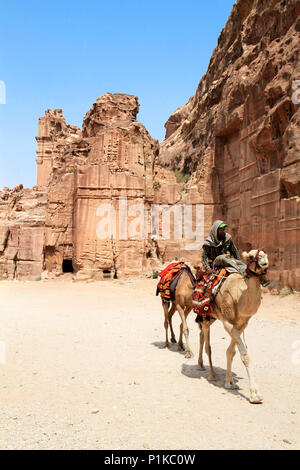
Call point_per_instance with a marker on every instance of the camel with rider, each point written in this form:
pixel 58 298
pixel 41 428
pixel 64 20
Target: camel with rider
pixel 237 301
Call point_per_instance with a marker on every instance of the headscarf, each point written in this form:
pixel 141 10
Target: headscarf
pixel 212 239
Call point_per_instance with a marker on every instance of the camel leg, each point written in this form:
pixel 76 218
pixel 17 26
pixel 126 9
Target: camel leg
pixel 186 313
pixel 255 396
pixel 200 359
pixel 171 313
pixel 166 322
pixel 180 342
pixel 230 353
pixel 183 314
pixel 206 332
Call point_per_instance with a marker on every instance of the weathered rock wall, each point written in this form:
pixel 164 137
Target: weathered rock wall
pixel 55 172
pixel 93 184
pixel 117 162
pixel 22 222
pixel 239 138
pixel 53 137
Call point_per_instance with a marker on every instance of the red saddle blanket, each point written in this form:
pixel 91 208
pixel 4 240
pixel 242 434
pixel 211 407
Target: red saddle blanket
pixel 169 279
pixel 166 276
pixel 202 296
pixel 168 269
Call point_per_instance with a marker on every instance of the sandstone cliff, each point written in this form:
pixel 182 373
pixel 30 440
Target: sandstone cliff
pixel 22 219
pixel 238 136
pixel 87 171
pixel 86 214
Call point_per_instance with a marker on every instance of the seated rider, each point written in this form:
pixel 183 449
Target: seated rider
pixel 219 244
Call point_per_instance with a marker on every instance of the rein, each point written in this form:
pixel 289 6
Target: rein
pixel 249 271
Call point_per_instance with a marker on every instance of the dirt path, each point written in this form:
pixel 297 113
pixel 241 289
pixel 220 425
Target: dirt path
pixel 85 369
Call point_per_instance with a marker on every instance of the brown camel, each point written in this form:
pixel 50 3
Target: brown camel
pixel 183 304
pixel 236 302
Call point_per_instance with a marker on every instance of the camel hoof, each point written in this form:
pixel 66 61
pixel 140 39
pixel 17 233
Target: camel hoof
pixel 166 346
pixel 256 399
pixel 255 396
pixel 231 386
pixel 173 340
pixel 188 355
pixel 201 366
pixel 180 347
pixel 212 378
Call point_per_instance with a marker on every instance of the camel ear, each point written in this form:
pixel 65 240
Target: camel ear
pixel 198 270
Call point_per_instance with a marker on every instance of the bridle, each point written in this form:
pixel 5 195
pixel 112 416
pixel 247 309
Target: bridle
pixel 249 271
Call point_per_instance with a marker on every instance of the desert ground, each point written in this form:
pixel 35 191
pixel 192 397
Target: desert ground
pixel 85 368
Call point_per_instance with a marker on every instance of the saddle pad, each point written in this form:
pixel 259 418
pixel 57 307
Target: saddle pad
pixel 170 274
pixel 163 287
pixel 176 278
pixel 205 291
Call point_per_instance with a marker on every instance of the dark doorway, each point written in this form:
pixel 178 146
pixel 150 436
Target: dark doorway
pixel 106 274
pixel 67 266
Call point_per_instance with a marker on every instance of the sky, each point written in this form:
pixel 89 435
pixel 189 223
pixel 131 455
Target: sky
pixel 66 53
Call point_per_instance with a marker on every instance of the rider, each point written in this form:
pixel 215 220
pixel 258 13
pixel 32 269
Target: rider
pixel 219 244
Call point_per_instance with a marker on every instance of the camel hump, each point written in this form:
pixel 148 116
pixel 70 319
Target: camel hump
pixel 235 276
pixel 235 283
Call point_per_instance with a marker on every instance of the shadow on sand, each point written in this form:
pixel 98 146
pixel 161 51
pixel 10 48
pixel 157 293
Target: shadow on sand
pixel 194 372
pixel 173 347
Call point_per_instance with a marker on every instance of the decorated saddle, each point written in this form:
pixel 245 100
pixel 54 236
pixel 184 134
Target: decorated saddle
pixel 206 289
pixel 169 278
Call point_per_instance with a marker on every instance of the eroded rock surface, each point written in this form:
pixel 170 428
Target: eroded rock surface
pixel 93 184
pixel 238 136
pixel 22 219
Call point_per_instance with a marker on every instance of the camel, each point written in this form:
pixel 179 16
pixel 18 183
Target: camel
pixel 236 302
pixel 183 304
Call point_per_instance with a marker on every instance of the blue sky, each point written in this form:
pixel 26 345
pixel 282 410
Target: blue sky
pixel 65 54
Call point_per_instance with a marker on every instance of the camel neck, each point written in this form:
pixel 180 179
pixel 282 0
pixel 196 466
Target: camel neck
pixel 253 285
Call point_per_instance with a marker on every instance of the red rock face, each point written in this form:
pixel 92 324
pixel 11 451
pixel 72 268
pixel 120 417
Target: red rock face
pixel 117 161
pixel 56 224
pixel 55 173
pixel 239 135
pixel 53 137
pixel 22 217
pixel 110 164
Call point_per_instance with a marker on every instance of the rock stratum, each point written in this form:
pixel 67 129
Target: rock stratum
pixel 233 149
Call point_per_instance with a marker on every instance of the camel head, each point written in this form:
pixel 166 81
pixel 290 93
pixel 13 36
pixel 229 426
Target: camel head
pixel 256 260
pixel 198 270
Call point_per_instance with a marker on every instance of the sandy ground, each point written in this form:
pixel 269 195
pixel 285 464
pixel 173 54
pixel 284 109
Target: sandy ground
pixel 85 369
